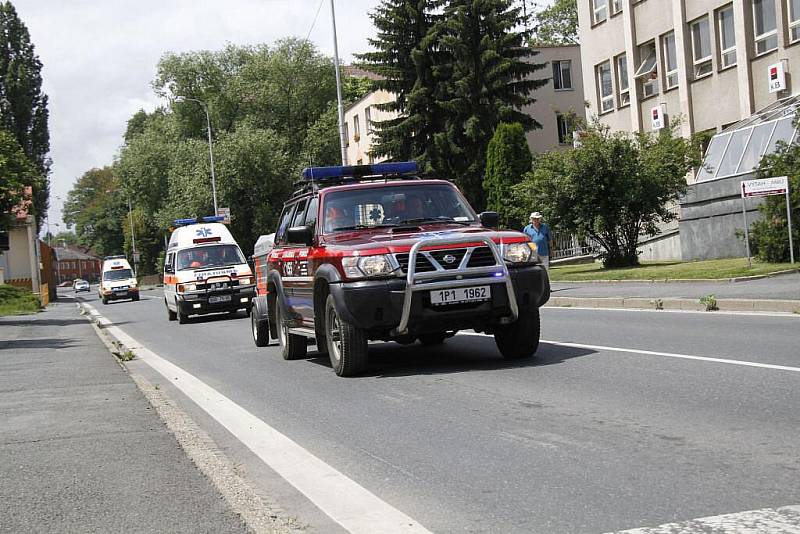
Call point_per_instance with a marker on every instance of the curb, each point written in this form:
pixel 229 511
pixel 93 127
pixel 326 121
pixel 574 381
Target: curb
pixel 667 303
pixel 682 280
pixel 258 513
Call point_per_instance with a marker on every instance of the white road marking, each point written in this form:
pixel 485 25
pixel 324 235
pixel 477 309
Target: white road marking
pixel 695 312
pixel 784 520
pixel 351 505
pixel 657 353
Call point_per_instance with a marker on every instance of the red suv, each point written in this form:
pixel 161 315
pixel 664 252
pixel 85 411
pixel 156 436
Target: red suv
pixel 371 252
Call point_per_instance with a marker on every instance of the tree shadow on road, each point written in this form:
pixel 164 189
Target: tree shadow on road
pixel 38 343
pixel 33 321
pixel 459 354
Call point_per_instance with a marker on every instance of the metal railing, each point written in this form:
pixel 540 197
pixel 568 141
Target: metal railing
pixel 572 246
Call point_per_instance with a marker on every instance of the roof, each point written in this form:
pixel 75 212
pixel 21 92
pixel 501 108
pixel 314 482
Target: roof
pixel 71 254
pixel 358 72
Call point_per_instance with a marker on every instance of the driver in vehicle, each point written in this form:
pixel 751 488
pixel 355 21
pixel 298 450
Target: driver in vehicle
pixel 336 217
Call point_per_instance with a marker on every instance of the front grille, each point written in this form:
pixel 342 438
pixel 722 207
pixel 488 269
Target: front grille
pixel 480 257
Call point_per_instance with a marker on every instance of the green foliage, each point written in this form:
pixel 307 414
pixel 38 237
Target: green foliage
pixel 769 237
pixel 507 160
pixel 17 301
pixel 96 207
pixel 23 105
pixel 613 188
pixel 556 24
pixel 485 77
pixel 16 173
pixel 709 302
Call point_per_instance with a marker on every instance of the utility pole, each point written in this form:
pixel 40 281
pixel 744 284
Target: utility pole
pixel 133 236
pixel 180 98
pixel 342 140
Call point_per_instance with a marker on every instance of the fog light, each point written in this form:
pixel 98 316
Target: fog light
pixel 243 299
pixel 195 306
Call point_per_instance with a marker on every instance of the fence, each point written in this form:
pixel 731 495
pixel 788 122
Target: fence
pixel 571 246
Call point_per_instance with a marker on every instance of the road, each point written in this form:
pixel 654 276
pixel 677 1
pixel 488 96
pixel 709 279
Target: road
pixel 593 436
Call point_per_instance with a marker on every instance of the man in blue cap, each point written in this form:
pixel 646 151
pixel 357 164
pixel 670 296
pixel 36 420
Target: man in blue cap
pixel 539 233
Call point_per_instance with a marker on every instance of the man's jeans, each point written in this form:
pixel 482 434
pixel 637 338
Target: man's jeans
pixel 544 260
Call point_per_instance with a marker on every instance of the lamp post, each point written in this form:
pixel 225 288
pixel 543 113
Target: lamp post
pixel 133 236
pixel 340 105
pixel 210 144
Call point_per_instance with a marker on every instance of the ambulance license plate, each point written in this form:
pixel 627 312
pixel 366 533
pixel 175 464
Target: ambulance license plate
pixel 219 298
pixel 460 295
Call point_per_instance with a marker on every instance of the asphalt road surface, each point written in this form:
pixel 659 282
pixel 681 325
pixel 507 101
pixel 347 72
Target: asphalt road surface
pixel 624 419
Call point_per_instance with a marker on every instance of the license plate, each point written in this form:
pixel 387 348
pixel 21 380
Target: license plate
pixel 219 298
pixel 460 295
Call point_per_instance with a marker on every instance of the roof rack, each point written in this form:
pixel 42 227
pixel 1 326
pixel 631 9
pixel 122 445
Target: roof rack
pixel 116 257
pixel 317 177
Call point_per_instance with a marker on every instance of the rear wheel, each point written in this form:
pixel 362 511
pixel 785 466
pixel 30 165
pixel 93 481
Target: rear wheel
pixel 347 345
pixel 260 329
pixel 519 339
pixel 293 346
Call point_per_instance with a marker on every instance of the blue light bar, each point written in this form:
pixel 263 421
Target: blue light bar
pixel 199 220
pixel 359 171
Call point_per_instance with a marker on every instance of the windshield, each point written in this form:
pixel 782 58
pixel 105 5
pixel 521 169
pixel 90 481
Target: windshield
pixel 209 256
pixel 118 274
pixel 395 206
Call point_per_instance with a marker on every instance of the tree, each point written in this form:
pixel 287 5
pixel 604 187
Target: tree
pixel 614 188
pixel 486 75
pixel 23 105
pixel 96 207
pixel 17 174
pixel 556 24
pixel 507 160
pixel 404 55
pixel 770 234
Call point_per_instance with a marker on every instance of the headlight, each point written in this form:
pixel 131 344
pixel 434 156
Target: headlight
pixel 245 280
pixel 519 252
pixel 366 266
pixel 186 287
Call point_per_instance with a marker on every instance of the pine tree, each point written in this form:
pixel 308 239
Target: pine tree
pixel 508 158
pixel 404 57
pixel 487 74
pixel 23 105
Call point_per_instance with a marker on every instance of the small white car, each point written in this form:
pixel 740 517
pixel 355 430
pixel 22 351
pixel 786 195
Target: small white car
pixel 81 285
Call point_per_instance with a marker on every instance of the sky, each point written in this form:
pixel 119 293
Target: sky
pixel 99 57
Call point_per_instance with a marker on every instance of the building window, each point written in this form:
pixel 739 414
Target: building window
pixel 727 36
pixel 648 69
pixel 624 97
pixel 562 123
pixel 616 6
pixel 670 60
pixel 764 26
pixel 701 47
pixel 356 129
pixel 368 119
pixel 600 8
pixel 346 134
pixel 605 87
pixel 794 20
pixel 562 75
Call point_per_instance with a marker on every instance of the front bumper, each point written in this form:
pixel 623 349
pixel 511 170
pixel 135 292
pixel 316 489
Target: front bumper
pixel 202 302
pixel 377 305
pixel 117 294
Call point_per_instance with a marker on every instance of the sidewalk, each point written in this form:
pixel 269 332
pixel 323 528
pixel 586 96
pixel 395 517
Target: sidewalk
pixel 778 293
pixel 82 449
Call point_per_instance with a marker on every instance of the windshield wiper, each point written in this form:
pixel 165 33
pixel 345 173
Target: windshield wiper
pixel 433 219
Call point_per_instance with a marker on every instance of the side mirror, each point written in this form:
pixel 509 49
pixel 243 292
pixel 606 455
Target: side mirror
pixel 489 219
pixel 168 269
pixel 299 235
pixel 252 263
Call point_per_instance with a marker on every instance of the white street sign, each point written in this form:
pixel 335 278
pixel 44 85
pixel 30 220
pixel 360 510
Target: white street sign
pixel 766 186
pixel 777 77
pixel 657 116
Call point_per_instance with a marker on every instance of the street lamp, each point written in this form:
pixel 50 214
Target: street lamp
pixel 210 146
pixel 340 105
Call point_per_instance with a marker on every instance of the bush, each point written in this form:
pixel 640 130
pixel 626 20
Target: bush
pixel 17 300
pixel 770 235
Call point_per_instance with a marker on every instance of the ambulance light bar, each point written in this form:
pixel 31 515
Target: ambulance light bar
pixel 199 220
pixel 317 174
pixel 200 240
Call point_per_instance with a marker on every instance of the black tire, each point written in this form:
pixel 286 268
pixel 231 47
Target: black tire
pixel 293 347
pixel 171 315
pixel 182 317
pixel 260 329
pixel 105 301
pixel 519 339
pixel 430 340
pixel 347 345
pixel 135 298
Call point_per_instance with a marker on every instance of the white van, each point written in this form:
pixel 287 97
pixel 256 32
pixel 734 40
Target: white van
pixel 117 280
pixel 205 271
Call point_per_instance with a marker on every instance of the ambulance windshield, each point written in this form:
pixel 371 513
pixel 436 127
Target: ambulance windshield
pixel 209 256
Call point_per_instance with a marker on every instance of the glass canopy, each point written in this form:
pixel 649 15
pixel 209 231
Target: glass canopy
pixel 738 149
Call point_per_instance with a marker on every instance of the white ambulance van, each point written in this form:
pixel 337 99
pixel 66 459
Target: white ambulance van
pixel 117 280
pixel 205 271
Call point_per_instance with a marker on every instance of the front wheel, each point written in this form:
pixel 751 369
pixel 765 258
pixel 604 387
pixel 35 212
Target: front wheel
pixel 519 339
pixel 293 347
pixel 135 298
pixel 171 315
pixel 347 345
pixel 260 329
pixel 182 317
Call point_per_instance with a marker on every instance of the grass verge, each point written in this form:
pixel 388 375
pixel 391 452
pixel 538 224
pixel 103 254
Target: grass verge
pixel 17 301
pixel 674 270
